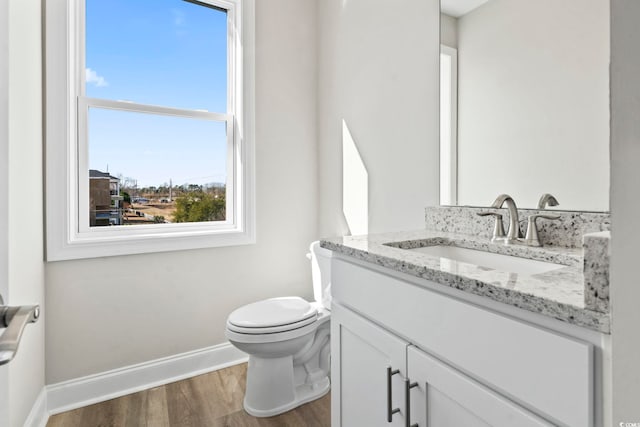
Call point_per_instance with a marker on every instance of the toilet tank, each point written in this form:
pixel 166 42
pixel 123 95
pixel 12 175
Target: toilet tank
pixel 321 274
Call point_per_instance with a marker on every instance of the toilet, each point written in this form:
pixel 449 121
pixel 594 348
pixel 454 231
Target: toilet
pixel 287 340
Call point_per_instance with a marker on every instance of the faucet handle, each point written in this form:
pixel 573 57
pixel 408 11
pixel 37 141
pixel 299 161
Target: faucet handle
pixel 498 227
pixel 531 237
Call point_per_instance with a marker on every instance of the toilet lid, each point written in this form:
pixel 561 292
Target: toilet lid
pixel 273 312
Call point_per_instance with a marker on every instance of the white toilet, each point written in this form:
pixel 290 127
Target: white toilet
pixel 287 340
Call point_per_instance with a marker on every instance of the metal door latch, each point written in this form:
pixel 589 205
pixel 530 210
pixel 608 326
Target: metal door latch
pixel 14 319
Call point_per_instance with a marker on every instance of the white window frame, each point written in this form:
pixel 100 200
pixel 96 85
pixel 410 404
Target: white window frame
pixel 67 168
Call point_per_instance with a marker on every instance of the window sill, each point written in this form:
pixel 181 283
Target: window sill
pixel 89 245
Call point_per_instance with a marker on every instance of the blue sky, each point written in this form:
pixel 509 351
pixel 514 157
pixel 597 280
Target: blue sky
pixel 160 52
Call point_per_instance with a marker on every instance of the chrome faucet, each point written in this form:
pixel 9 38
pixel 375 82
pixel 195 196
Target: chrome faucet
pixel 513 235
pixel 514 228
pixel 547 199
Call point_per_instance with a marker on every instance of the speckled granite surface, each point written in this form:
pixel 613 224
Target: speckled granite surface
pixel 596 270
pixel 558 293
pixel 566 232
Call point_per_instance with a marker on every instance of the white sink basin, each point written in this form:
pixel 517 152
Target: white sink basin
pixel 491 260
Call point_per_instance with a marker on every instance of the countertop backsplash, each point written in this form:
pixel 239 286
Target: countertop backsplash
pixel 567 232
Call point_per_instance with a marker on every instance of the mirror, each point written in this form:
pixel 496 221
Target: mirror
pixel 525 102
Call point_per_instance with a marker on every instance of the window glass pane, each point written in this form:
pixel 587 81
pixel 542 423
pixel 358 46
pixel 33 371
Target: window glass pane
pixel 159 52
pixel 146 168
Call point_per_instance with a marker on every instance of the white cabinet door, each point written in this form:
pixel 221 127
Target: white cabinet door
pixel 444 397
pixel 361 354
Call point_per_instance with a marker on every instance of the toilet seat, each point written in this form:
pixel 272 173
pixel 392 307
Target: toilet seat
pixel 272 316
pixel 275 336
pixel 271 329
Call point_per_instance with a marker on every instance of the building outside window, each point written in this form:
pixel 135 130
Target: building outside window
pixel 105 200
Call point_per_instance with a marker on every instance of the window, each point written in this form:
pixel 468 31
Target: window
pixel 149 126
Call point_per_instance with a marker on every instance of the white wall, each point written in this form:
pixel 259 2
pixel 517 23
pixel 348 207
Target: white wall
pixel 533 107
pixel 378 73
pixel 625 205
pixel 113 312
pixel 26 266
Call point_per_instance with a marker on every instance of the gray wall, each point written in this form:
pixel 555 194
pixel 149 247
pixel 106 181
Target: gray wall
pixel 625 205
pixel 378 78
pixel 113 312
pixel 448 30
pixel 533 106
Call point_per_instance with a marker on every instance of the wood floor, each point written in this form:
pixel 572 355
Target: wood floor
pixel 209 400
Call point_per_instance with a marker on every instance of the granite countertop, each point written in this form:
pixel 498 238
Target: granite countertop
pixel 558 293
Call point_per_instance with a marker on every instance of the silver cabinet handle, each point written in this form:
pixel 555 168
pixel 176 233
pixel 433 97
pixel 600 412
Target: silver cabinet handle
pixel 14 319
pixel 390 409
pixel 408 385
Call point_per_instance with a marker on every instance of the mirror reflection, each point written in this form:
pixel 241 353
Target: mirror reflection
pixel 525 102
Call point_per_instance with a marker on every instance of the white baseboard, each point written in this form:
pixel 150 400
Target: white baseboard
pixel 39 414
pixel 96 388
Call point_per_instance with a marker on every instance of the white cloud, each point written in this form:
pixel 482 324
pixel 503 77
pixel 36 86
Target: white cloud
pixel 92 77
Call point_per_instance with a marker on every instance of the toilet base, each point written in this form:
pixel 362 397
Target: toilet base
pixel 287 370
pixel 304 393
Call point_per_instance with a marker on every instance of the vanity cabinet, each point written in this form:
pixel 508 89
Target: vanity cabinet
pixel 374 372
pixel 457 363
pixel 369 363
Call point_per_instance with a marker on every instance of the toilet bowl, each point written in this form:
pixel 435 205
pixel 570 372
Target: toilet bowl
pixel 288 343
